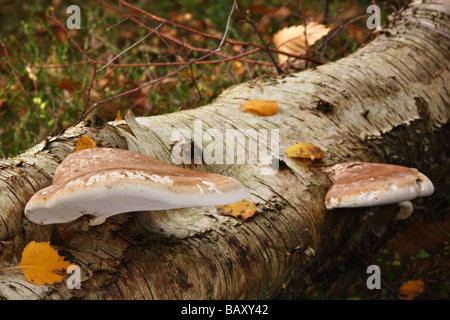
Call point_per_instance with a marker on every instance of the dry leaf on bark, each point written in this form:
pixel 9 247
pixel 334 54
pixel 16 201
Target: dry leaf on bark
pixel 40 262
pixel 119 116
pixel 292 40
pixel 85 142
pixel 261 107
pixel 306 151
pixel 242 210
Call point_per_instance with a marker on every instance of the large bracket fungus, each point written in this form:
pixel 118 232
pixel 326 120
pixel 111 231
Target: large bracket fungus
pixel 101 182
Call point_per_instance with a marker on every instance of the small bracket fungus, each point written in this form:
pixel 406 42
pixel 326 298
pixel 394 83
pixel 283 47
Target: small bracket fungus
pixel 101 182
pixel 358 184
pixel 405 209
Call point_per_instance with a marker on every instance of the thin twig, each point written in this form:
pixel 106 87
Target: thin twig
pixel 55 117
pixel 235 4
pixel 305 24
pixel 247 17
pixel 390 290
pixel 96 104
pixel 62 26
pixel 89 90
pixel 238 57
pixel 229 41
pixel 129 48
pixel 200 97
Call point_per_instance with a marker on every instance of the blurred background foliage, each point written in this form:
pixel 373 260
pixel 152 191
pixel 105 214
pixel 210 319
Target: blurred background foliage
pixel 36 43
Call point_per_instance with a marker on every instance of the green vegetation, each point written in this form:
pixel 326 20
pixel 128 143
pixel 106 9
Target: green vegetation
pixel 56 68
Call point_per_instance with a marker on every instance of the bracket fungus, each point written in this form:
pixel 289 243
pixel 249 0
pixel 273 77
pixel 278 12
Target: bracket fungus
pixel 358 184
pixel 405 209
pixel 101 182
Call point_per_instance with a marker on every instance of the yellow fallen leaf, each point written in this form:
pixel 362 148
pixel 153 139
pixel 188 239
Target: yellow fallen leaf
pixel 243 210
pixel 261 107
pixel 40 262
pixel 292 40
pixel 238 67
pixel 306 151
pixel 85 142
pixel 411 289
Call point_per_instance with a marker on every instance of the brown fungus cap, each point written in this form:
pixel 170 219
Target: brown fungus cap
pixel 102 182
pixel 358 184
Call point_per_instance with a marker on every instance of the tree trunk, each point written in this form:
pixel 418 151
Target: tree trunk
pixel 388 102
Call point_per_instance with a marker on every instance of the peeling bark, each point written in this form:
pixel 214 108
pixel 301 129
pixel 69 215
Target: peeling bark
pixel 387 102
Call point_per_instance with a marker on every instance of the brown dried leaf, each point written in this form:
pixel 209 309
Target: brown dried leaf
pixel 292 40
pixel 261 107
pixel 242 210
pixel 306 151
pixel 85 142
pixel 411 289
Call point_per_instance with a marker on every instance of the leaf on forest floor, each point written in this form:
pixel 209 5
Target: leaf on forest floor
pixel 242 210
pixel 292 40
pixel 85 142
pixel 261 107
pixel 238 68
pixel 411 289
pixel 306 151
